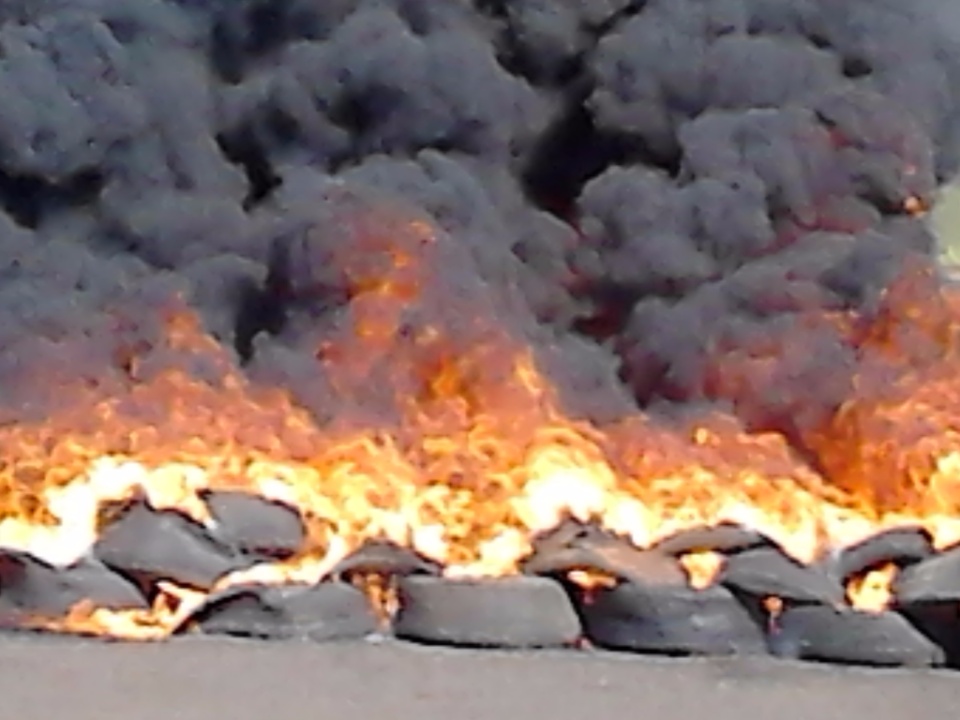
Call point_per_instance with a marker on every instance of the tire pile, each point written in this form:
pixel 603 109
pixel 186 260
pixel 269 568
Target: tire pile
pixel 761 601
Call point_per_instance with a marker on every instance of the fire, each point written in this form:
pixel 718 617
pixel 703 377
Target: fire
pixel 916 206
pixel 449 439
pixel 872 592
pixel 895 442
pixel 590 580
pixel 172 606
pixel 702 568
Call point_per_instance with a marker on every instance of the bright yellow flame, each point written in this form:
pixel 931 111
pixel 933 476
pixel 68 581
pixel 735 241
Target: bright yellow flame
pixel 872 592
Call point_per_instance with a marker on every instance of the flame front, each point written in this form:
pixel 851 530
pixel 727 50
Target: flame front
pixel 448 438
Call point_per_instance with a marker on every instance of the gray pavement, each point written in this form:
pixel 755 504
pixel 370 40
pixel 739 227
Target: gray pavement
pixel 235 680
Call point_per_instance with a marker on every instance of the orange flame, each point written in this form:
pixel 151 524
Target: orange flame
pixel 702 568
pixel 872 592
pixel 915 206
pixel 448 439
pixel 172 606
pixel 895 442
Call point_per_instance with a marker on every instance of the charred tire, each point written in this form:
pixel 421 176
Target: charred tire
pixel 934 580
pixel 325 612
pixel 513 612
pixel 903 546
pixel 671 621
pixel 852 637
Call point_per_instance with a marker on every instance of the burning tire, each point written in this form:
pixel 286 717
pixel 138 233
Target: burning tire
pixel 255 525
pixel 936 579
pixel 825 634
pixel 900 547
pixel 385 559
pixel 768 572
pixel 30 585
pixel 671 620
pixel 324 612
pixel 148 545
pixel 510 612
pixel 723 537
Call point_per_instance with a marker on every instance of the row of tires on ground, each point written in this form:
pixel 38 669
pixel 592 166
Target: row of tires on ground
pixel 761 601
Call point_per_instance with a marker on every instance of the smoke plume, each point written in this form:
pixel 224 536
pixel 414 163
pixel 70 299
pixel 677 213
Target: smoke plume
pixel 669 201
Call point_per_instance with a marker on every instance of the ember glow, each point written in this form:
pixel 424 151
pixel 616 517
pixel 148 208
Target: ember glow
pixel 872 592
pixel 172 606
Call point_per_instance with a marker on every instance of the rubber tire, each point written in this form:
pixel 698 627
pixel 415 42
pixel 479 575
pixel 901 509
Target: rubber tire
pixel 902 546
pixel 852 637
pixel 670 620
pixel 941 623
pixel 510 612
pixel 382 557
pixel 34 586
pixel 324 612
pixel 766 572
pixel 148 545
pixel 254 525
pixel 724 538
pixel 936 579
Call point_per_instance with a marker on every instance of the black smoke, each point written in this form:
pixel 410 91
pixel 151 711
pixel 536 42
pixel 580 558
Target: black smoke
pixel 638 188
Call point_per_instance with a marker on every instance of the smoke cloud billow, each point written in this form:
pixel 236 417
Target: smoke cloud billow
pixel 657 196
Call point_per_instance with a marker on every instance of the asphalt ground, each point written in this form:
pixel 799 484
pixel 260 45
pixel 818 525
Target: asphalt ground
pixel 202 679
